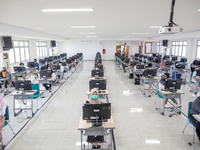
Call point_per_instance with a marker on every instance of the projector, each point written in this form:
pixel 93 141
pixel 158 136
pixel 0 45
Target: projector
pixel 170 30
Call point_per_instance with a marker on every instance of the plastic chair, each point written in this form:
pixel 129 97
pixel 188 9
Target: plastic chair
pixel 189 122
pixel 37 93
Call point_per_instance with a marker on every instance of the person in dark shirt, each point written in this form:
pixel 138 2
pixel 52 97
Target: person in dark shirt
pixel 24 70
pixel 195 110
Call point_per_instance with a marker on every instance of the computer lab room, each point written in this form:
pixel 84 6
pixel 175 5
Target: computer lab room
pixel 100 74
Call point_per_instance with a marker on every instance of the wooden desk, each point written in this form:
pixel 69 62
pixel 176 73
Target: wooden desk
pixel 87 129
pixel 23 96
pixel 169 95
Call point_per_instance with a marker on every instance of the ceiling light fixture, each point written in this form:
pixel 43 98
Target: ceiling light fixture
pixel 140 33
pixel 83 27
pixel 198 10
pixel 152 141
pixel 90 33
pixel 68 10
pixel 91 36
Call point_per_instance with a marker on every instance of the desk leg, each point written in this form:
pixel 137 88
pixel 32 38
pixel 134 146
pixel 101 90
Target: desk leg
pixel 81 139
pixel 113 139
pixel 32 106
pixel 14 106
pixel 163 106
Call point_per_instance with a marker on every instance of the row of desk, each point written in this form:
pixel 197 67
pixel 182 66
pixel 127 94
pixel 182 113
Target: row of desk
pixel 107 128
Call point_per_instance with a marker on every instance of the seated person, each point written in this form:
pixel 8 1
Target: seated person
pixel 36 64
pixel 94 99
pixel 194 75
pixel 195 110
pixel 2 116
pixel 161 86
pixel 46 85
pixel 24 69
pixel 163 64
pixel 5 74
pixel 150 85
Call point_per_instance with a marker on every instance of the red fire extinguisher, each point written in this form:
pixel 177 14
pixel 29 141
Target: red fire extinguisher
pixel 104 51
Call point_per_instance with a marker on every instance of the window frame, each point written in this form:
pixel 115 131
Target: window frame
pixel 41 49
pixel 20 46
pixel 178 48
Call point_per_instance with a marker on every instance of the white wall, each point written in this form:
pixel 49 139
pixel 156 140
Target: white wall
pixel 90 48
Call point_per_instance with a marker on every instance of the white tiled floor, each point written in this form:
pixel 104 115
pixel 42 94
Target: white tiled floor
pixel 55 127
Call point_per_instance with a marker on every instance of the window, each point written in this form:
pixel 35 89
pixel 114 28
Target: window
pixel 158 47
pixel 198 50
pixel 41 48
pixel 20 51
pixel 179 48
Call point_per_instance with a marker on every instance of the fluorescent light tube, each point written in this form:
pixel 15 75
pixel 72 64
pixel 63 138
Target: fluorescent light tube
pixel 67 10
pixel 89 33
pixel 152 141
pixel 140 33
pixel 91 36
pixel 83 27
pixel 198 10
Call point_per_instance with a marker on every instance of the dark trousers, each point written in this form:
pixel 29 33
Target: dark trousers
pixel 124 66
pixel 5 85
pixel 196 124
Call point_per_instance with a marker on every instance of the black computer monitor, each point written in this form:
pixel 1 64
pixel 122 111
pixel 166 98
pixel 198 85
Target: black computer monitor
pixel 64 64
pixel 136 54
pixel 154 54
pixel 99 84
pixel 97 73
pixel 150 58
pixel 96 111
pixel 68 61
pixel 198 72
pixel 41 61
pixel 157 60
pixel 180 66
pixel 18 69
pixel 173 84
pixel 174 58
pixel 48 59
pixel 23 85
pixel 56 67
pixel 168 63
pixel 133 63
pixel 183 59
pixel 45 73
pixel 139 66
pixel 141 56
pixel 150 72
pixel 31 64
pixel 100 67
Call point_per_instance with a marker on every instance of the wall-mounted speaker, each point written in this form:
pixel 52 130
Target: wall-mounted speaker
pixel 165 43
pixel 53 43
pixel 7 43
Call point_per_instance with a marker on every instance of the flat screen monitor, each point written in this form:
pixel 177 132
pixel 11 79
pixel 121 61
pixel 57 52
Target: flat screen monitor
pixel 47 59
pixel 56 67
pixel 198 72
pixel 168 63
pixel 23 85
pixel 174 58
pixel 68 61
pixel 140 67
pixel 180 66
pixel 18 69
pixel 154 54
pixel 45 74
pixel 97 73
pixel 150 72
pixel 64 64
pixel 150 58
pixel 157 60
pixel 41 61
pixel 173 84
pixel 183 59
pixel 136 54
pixel 99 84
pixel 31 64
pixel 96 111
pixel 133 63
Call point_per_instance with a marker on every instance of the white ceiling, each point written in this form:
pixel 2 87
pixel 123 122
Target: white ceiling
pixel 114 19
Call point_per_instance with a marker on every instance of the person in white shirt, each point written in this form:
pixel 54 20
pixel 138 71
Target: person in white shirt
pixel 2 115
pixel 194 75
